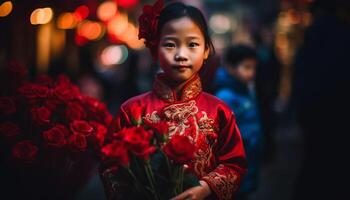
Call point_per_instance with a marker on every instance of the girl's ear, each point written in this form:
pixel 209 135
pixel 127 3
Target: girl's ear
pixel 206 53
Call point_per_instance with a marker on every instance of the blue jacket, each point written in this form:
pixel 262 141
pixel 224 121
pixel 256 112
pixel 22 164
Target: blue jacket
pixel 242 101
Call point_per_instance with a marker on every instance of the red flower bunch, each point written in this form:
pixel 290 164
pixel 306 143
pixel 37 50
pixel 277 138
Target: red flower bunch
pixel 148 25
pixel 49 114
pixel 142 149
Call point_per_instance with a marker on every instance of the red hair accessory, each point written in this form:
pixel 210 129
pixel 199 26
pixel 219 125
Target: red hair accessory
pixel 148 23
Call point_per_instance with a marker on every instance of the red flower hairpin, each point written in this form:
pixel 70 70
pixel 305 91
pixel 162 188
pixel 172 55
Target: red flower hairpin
pixel 148 22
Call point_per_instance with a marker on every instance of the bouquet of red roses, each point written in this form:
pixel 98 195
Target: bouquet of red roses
pixel 48 126
pixel 151 164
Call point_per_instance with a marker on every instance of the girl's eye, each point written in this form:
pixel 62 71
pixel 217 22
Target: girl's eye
pixel 169 45
pixel 193 44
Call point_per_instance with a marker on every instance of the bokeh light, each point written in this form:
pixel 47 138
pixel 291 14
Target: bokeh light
pixel 90 30
pixel 118 24
pixel 66 21
pixel 5 8
pixel 220 23
pixel 81 13
pixel 127 3
pixel 41 16
pixel 114 55
pixel 107 10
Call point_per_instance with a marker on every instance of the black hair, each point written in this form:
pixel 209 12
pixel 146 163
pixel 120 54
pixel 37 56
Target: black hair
pixel 236 54
pixel 178 10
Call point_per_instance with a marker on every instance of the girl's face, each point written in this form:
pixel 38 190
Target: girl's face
pixel 181 50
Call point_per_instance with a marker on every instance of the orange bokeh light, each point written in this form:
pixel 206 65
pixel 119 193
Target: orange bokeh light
pixel 5 8
pixel 66 21
pixel 107 10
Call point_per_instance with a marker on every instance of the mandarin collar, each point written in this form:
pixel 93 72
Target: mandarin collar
pixel 163 90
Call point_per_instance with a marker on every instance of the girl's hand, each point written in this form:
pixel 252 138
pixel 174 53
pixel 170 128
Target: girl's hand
pixel 195 193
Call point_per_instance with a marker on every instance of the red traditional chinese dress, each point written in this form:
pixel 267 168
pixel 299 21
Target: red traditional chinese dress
pixel 219 156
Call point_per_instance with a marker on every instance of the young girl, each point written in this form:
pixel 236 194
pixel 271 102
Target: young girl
pixel 178 39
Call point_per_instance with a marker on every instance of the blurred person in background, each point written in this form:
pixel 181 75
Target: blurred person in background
pixel 321 81
pixel 234 84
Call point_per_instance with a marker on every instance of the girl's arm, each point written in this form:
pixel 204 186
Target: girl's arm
pixel 224 180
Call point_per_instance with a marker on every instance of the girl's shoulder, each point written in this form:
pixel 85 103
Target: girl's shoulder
pixel 213 100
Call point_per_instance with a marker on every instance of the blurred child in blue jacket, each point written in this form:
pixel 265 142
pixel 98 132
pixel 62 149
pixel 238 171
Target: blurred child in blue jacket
pixel 234 84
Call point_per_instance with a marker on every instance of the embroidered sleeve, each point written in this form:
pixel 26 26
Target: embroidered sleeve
pixel 224 180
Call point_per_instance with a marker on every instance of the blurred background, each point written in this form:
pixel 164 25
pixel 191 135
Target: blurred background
pixel 302 47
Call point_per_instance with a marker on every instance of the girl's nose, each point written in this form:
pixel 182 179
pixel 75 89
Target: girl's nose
pixel 180 55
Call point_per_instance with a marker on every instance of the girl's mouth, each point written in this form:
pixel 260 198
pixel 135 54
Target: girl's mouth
pixel 181 66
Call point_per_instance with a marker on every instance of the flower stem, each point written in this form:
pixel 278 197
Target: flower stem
pixel 151 179
pixel 181 178
pixel 137 183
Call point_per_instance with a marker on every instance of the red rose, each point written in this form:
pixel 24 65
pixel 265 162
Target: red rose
pixel 75 111
pixel 108 118
pixel 64 90
pixel 9 129
pixel 179 149
pixel 81 127
pixel 137 140
pixel 78 142
pixel 116 150
pixel 25 151
pixel 7 105
pixel 44 80
pixel 148 22
pixel 136 114
pixel 101 132
pixel 93 104
pixel 56 136
pixel 161 127
pixel 63 93
pixel 63 80
pixel 41 115
pixel 33 91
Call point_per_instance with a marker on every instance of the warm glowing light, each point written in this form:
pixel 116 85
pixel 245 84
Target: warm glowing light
pixel 114 55
pixel 220 23
pixel 91 30
pixel 130 37
pixel 293 16
pixel 283 20
pixel 80 40
pixel 118 24
pixel 66 21
pixel 129 33
pixel 282 41
pixel 127 3
pixel 107 10
pixel 41 16
pixel 136 44
pixel 5 8
pixel 82 12
pixel 43 54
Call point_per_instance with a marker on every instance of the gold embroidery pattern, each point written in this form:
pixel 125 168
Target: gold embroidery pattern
pixel 153 117
pixel 178 115
pixel 163 91
pixel 190 90
pixel 225 182
pixel 182 117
